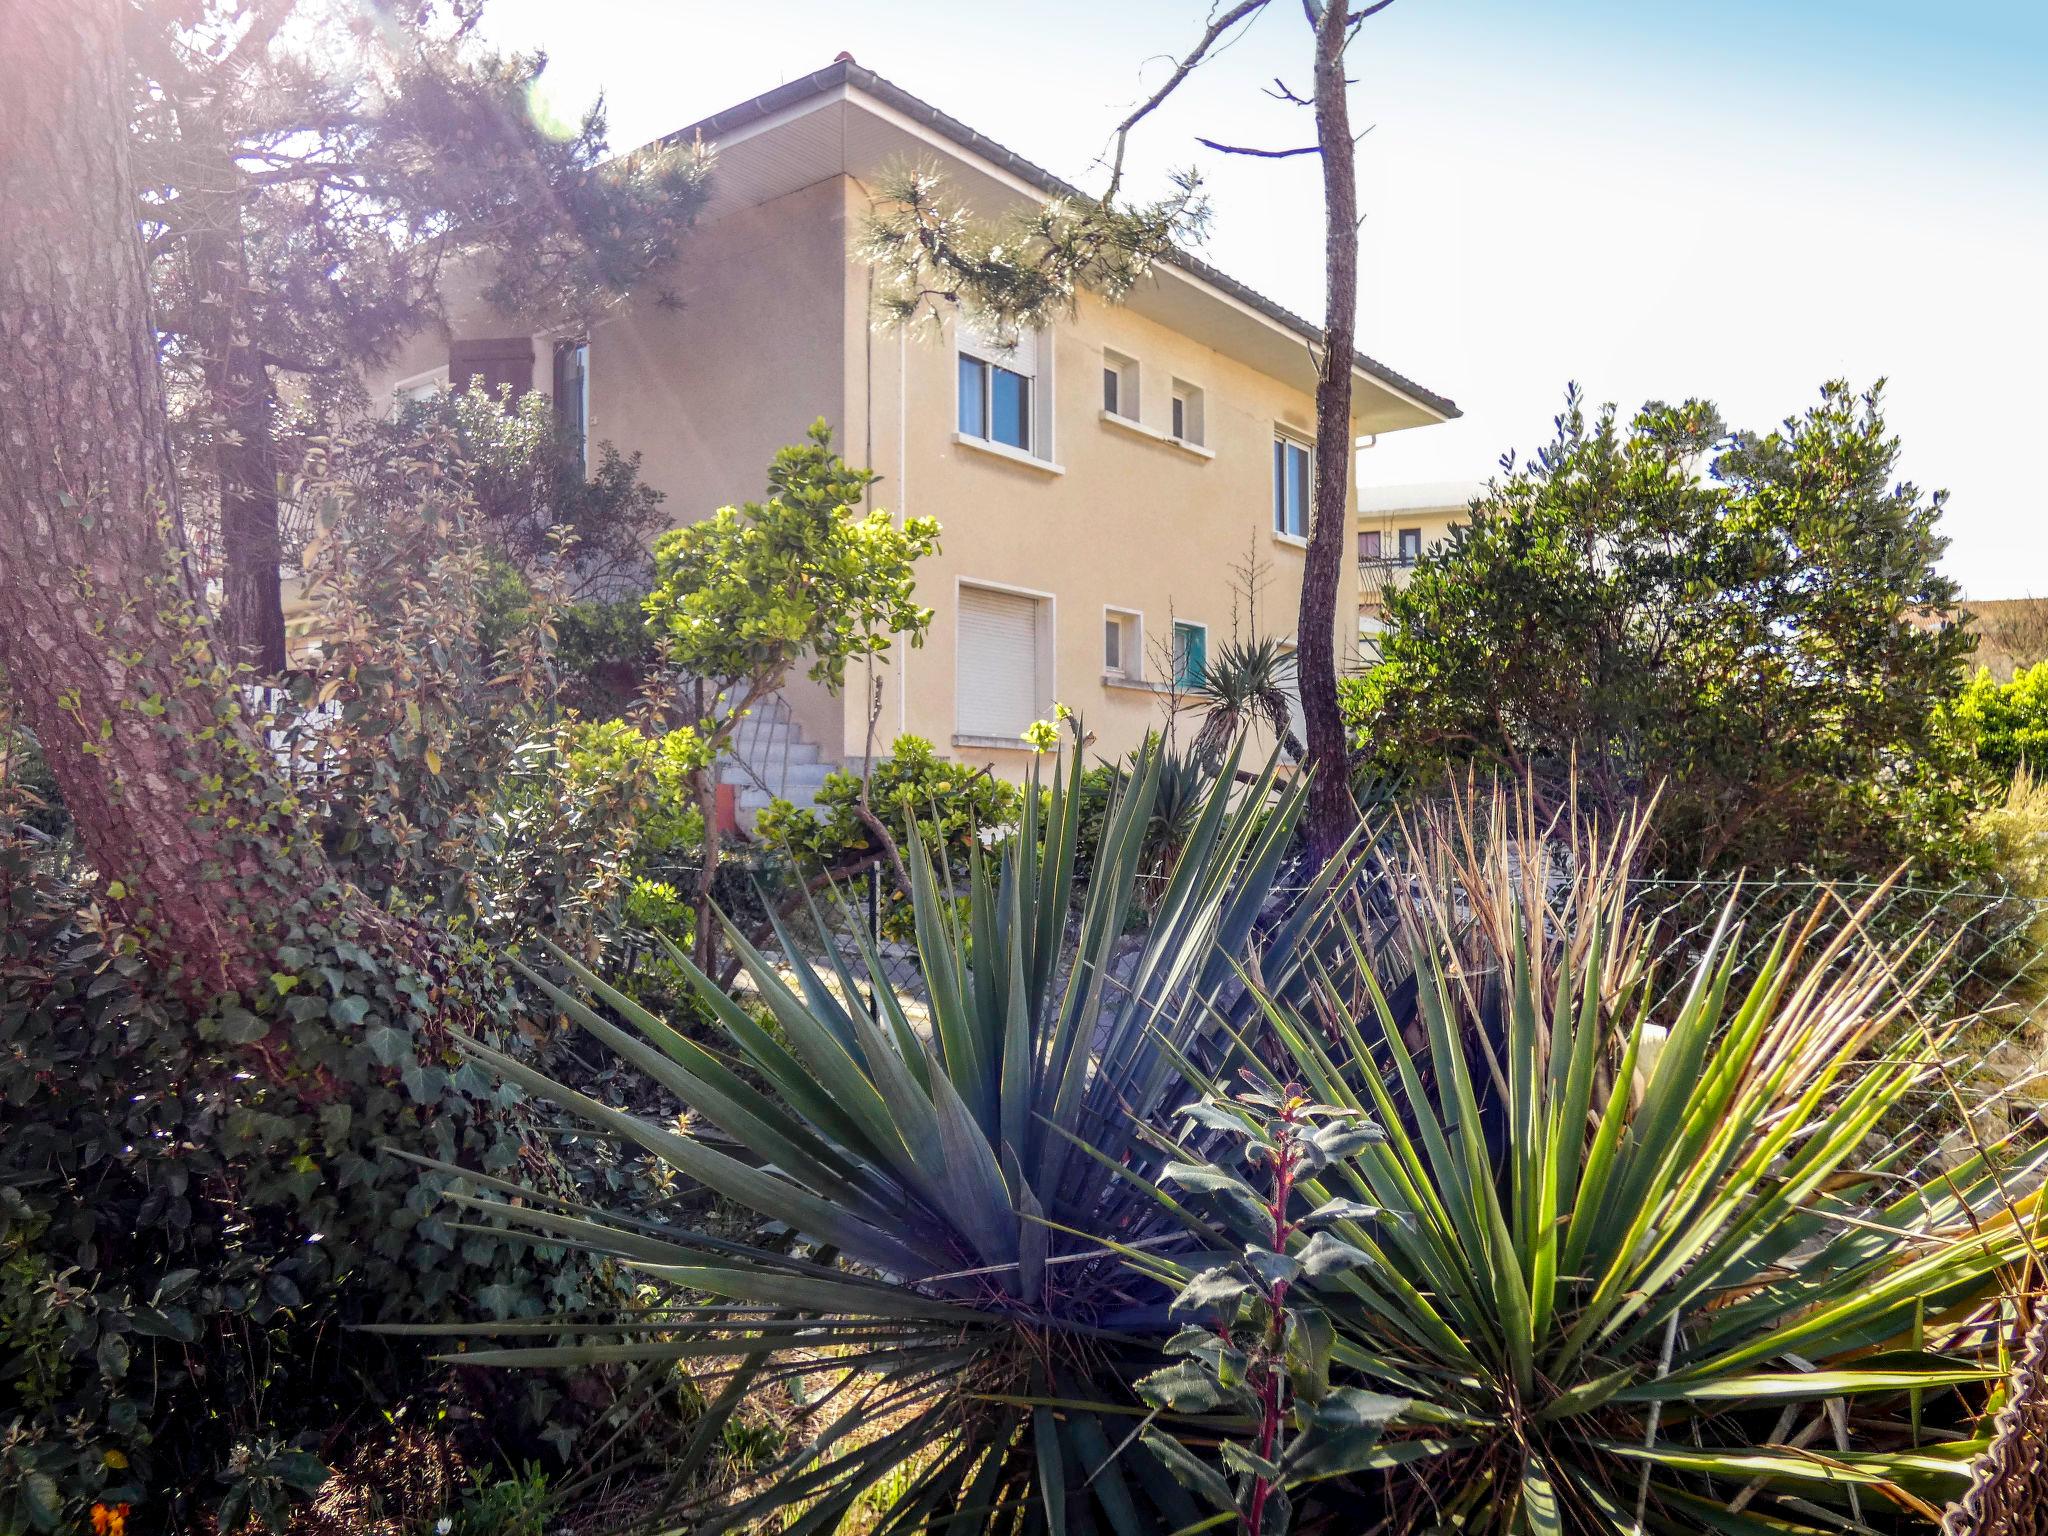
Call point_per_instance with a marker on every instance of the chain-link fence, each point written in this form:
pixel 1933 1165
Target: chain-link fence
pixel 1979 960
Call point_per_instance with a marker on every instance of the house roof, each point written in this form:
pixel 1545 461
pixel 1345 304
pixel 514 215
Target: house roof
pixel 1420 496
pixel 844 73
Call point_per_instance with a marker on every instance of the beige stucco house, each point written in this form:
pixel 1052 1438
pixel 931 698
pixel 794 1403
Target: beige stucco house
pixel 1396 526
pixel 1096 485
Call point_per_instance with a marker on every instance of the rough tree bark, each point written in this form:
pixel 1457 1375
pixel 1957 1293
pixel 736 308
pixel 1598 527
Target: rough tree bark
pixel 1331 814
pixel 103 647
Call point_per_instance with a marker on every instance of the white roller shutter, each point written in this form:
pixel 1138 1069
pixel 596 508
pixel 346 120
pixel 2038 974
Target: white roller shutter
pixel 998 692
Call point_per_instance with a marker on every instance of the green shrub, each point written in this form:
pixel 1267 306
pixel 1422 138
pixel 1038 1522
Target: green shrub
pixel 954 808
pixel 2008 721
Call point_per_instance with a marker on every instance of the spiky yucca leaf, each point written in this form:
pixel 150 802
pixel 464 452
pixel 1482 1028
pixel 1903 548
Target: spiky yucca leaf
pixel 1644 1269
pixel 960 1171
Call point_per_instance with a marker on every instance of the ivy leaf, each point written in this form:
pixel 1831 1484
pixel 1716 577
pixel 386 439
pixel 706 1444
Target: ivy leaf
pixel 300 1470
pixel 238 1026
pixel 389 1045
pixel 349 1010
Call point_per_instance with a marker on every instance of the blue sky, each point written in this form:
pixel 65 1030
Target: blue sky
pixel 1735 200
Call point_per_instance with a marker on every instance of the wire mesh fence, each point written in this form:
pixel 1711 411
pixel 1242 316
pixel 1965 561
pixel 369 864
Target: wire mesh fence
pixel 1977 959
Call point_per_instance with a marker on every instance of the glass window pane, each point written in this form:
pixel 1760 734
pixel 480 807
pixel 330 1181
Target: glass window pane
pixel 973 396
pixel 1180 417
pixel 1297 488
pixel 1279 485
pixel 1190 654
pixel 1411 544
pixel 1369 545
pixel 1112 644
pixel 1109 384
pixel 1010 408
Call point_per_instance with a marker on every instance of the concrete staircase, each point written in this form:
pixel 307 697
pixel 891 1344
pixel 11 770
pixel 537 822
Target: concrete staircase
pixel 772 758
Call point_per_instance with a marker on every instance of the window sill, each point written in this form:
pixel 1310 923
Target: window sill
pixel 997 450
pixel 1111 418
pixel 1291 540
pixel 1135 684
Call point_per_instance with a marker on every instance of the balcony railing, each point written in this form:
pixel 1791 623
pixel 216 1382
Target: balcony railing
pixel 1378 572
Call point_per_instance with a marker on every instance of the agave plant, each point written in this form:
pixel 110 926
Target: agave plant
pixel 1634 1266
pixel 932 1183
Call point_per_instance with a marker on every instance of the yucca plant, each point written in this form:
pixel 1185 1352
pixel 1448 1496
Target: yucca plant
pixel 1636 1265
pixel 933 1184
pixel 1245 684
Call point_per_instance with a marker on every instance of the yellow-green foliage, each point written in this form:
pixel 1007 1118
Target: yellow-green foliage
pixel 2009 721
pixel 654 773
pixel 2017 835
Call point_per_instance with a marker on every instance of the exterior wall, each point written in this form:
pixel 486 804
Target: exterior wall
pixel 1374 576
pixel 774 330
pixel 1131 521
pixel 707 389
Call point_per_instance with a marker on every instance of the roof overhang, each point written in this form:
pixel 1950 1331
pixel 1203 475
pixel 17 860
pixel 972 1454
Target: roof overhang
pixel 847 121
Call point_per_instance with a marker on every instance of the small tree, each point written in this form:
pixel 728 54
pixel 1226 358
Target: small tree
pixel 744 596
pixel 302 174
pixel 1753 621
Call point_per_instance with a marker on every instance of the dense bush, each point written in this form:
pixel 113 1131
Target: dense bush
pixel 197 1195
pixel 951 807
pixel 188 1211
pixel 1753 625
pixel 2007 721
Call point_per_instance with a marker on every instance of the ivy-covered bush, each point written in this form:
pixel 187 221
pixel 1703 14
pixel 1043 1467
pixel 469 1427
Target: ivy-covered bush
pixel 190 1208
pixel 199 1197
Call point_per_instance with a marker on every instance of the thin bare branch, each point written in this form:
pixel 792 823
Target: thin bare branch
pixel 1282 91
pixel 1262 154
pixel 1242 11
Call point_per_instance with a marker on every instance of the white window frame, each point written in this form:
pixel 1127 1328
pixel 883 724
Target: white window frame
pixel 1130 396
pixel 1173 659
pixel 1039 450
pixel 1047 660
pixel 1194 424
pixel 1281 436
pixel 1130 665
pixel 418 386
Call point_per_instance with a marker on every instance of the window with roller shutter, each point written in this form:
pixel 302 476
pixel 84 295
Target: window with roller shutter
pixel 1000 681
pixel 500 362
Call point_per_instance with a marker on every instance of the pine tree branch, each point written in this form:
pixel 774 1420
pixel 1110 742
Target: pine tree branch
pixel 1262 154
pixel 1242 11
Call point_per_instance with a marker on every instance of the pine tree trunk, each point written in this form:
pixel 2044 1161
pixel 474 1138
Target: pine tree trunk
pixel 242 402
pixel 1331 814
pixel 251 615
pixel 102 645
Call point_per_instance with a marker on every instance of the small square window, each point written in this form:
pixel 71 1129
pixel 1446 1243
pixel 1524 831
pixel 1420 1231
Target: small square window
pixel 1290 487
pixel 1369 544
pixel 1190 654
pixel 1119 385
pixel 1123 643
pixel 1187 413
